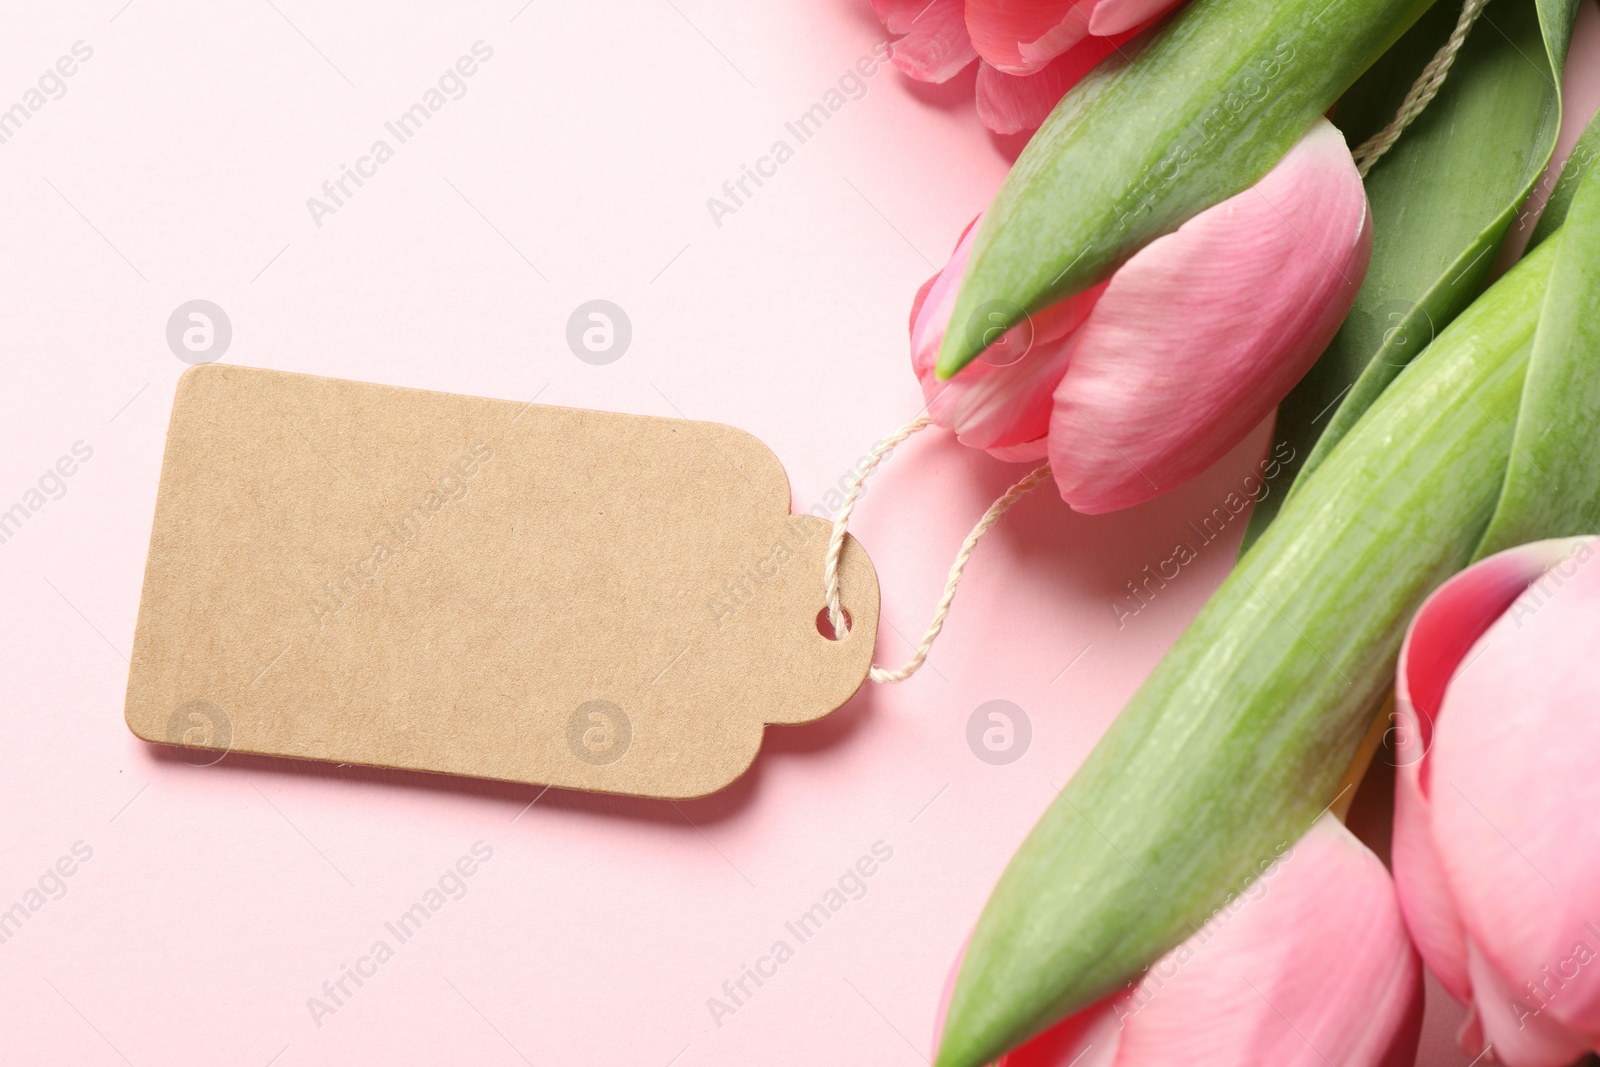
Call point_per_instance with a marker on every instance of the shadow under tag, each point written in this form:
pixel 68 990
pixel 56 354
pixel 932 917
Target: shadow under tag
pixel 384 576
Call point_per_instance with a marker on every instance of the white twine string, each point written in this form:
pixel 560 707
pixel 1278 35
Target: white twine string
pixel 830 572
pixel 1422 91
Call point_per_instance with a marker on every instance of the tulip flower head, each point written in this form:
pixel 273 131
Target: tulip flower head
pixel 1138 384
pixel 1496 843
pixel 1028 54
pixel 1306 966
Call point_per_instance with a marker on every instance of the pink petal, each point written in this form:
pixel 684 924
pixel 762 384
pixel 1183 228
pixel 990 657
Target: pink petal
pixel 1445 628
pixel 1512 787
pixel 1119 16
pixel 1091 1038
pixel 1027 452
pixel 933 45
pixel 1022 36
pixel 1000 402
pixel 1009 103
pixel 1308 966
pixel 1425 898
pixel 1519 1034
pixel 1455 616
pixel 1200 334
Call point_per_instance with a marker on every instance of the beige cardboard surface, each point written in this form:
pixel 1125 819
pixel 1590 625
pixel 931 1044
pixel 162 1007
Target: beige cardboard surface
pixel 375 575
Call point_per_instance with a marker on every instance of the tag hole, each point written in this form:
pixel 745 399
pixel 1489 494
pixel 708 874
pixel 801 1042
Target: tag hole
pixel 825 625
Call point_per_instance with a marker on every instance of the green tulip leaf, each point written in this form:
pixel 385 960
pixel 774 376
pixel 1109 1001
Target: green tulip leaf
pixel 1578 164
pixel 1198 112
pixel 1443 200
pixel 1551 487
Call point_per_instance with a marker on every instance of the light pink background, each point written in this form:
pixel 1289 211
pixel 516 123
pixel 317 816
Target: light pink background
pixel 219 899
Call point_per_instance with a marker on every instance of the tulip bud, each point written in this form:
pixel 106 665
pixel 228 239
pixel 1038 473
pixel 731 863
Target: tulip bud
pixel 1496 848
pixel 1154 136
pixel 1137 385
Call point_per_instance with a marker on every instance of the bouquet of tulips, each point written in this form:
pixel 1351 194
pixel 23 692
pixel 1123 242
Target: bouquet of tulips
pixel 1186 244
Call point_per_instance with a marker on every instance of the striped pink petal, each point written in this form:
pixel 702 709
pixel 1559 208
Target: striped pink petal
pixel 1001 402
pixel 1010 103
pixel 932 43
pixel 1507 1021
pixel 1118 16
pixel 1022 36
pixel 1202 332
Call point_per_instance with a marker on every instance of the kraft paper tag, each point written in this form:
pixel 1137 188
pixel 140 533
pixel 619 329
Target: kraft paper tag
pixel 384 576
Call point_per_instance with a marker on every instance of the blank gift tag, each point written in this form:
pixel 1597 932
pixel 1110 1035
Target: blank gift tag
pixel 385 576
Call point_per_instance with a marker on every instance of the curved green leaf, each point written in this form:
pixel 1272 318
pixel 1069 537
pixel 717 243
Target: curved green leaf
pixel 1552 486
pixel 1443 200
pixel 1207 106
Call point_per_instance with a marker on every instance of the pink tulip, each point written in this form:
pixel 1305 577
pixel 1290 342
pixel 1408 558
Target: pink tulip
pixel 1028 54
pixel 1137 385
pixel 1111 17
pixel 1496 840
pixel 1309 965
